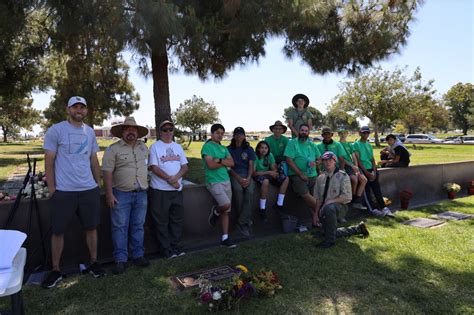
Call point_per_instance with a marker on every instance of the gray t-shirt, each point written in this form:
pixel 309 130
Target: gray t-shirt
pixel 73 147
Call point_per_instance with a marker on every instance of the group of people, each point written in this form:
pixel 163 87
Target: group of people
pixel 345 171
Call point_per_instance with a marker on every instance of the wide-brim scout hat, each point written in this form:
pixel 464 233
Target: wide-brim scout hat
pixel 117 130
pixel 297 97
pixel 278 124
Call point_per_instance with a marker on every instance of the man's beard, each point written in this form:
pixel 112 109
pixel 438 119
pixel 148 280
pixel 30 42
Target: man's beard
pixel 302 137
pixel 77 117
pixel 130 137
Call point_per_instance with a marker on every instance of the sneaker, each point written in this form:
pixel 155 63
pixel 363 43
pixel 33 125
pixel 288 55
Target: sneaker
pixel 119 268
pixel 358 205
pixel 141 262
pixel 178 251
pixel 244 230
pixel 377 213
pixel 96 270
pixel 263 215
pixel 213 216
pixel 228 243
pixel 302 228
pixel 386 211
pixel 363 229
pixel 326 244
pixel 53 278
pixel 169 254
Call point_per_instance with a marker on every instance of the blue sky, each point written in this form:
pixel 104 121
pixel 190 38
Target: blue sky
pixel 254 96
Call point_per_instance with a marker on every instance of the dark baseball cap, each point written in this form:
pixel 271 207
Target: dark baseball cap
pixel 326 130
pixel 364 129
pixel 239 130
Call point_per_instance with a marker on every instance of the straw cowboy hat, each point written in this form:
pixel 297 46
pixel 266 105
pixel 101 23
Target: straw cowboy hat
pixel 297 97
pixel 278 124
pixel 117 130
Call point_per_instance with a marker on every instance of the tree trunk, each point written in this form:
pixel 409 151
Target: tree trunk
pixel 4 134
pixel 465 129
pixel 376 134
pixel 161 92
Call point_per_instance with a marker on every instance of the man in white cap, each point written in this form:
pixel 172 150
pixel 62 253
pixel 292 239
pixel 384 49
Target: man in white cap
pixel 124 167
pixel 73 174
pixel 168 164
pixel 333 192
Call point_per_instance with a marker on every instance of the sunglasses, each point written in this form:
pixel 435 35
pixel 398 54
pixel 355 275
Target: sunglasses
pixel 167 129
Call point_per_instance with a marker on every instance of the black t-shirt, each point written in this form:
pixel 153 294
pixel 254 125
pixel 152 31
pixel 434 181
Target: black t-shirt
pixel 404 155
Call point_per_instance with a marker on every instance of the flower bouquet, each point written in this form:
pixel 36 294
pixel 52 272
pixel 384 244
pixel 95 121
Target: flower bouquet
pixel 452 189
pixel 243 286
pixel 40 185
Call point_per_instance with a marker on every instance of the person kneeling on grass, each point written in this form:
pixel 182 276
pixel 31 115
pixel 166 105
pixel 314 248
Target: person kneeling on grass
pixel 265 172
pixel 333 193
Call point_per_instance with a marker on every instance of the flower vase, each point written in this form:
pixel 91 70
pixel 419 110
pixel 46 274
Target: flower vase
pixel 451 194
pixel 404 204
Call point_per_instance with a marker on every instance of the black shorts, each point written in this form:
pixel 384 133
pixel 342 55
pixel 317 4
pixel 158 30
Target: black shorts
pixel 274 181
pixel 65 203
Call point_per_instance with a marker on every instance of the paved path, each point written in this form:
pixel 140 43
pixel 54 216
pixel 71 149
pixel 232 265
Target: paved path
pixel 15 181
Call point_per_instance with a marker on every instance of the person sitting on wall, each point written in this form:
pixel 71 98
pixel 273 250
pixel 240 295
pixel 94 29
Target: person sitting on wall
pixel 265 172
pixel 396 154
pixel 301 154
pixel 333 193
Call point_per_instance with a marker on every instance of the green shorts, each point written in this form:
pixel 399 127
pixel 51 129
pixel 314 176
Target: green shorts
pixel 301 187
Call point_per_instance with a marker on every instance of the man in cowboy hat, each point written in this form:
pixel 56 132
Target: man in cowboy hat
pixel 73 173
pixel 168 164
pixel 333 193
pixel 277 144
pixel 299 114
pixel 124 167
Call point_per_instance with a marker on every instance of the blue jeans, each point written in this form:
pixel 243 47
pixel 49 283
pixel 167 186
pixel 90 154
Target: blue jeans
pixel 128 214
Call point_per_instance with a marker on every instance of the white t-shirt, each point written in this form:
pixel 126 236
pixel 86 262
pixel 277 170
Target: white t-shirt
pixel 168 157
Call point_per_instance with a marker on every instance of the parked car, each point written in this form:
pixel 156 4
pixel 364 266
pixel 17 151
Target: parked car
pixel 422 138
pixel 452 140
pixel 400 136
pixel 467 139
pixel 317 139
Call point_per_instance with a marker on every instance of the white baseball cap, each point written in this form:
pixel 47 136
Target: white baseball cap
pixel 76 99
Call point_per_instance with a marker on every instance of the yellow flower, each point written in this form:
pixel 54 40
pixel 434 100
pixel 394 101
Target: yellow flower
pixel 243 268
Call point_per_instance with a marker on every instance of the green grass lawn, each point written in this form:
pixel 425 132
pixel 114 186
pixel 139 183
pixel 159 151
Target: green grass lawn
pixel 13 155
pixel 398 269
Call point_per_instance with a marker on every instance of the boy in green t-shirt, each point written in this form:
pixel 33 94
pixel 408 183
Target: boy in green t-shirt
pixel 301 155
pixel 365 159
pixel 278 141
pixel 217 159
pixel 358 180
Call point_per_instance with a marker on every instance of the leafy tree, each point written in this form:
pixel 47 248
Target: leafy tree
pixel 337 118
pixel 196 113
pixel 23 43
pixel 88 39
pixel 460 101
pixel 208 38
pixel 384 96
pixel 317 120
pixel 18 115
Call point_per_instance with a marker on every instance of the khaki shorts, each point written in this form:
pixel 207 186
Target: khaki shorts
pixel 301 187
pixel 222 192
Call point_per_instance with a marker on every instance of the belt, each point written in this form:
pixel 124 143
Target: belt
pixel 138 190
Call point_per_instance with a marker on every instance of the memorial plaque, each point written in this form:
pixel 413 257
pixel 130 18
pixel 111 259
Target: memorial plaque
pixel 190 280
pixel 451 215
pixel 424 222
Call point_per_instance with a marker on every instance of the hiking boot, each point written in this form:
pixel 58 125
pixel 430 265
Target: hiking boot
pixel 326 244
pixel 386 211
pixel 362 228
pixel 357 203
pixel 213 216
pixel 96 270
pixel 244 230
pixel 228 243
pixel 53 278
pixel 141 262
pixel 119 268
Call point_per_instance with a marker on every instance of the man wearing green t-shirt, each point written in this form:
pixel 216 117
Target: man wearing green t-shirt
pixel 217 159
pixel 277 142
pixel 365 159
pixel 299 114
pixel 301 155
pixel 358 180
